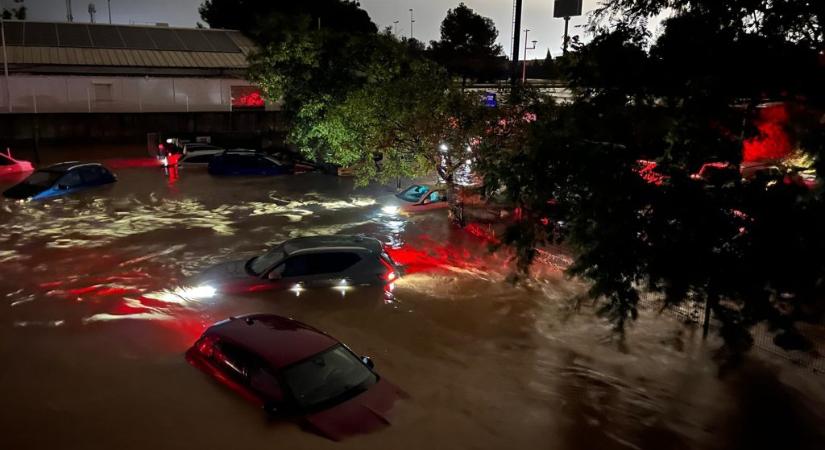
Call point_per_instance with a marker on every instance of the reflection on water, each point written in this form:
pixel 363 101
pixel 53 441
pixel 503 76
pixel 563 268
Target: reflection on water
pixel 97 309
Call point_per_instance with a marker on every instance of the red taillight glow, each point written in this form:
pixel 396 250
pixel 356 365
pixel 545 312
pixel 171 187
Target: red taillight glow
pixel 390 276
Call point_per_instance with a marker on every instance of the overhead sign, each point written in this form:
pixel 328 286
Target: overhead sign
pixel 567 8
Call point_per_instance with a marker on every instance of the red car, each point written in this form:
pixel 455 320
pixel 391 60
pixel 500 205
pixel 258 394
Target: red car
pixel 9 165
pixel 294 371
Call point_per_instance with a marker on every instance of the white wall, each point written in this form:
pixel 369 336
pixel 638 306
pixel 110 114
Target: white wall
pixel 64 93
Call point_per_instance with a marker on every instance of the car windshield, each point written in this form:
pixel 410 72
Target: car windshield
pixel 42 178
pixel 413 193
pixel 259 264
pixel 330 376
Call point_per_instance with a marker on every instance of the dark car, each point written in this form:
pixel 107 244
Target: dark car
pixel 308 262
pixel 296 372
pixel 246 162
pixel 61 179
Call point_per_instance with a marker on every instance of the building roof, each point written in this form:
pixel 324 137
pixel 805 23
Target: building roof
pixel 74 47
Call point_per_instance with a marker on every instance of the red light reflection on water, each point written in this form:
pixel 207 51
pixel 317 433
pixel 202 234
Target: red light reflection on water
pixel 128 163
pixel 429 256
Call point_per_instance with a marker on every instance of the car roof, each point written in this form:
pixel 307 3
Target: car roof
pixel 69 165
pixel 280 341
pixel 211 151
pixel 429 187
pixel 242 151
pixel 332 242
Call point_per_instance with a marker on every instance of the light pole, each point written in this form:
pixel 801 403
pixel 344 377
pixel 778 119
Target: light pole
pixel 412 21
pixel 5 62
pixel 395 28
pixel 524 67
pixel 109 7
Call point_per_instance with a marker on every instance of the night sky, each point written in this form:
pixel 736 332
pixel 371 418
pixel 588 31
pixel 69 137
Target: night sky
pixel 538 16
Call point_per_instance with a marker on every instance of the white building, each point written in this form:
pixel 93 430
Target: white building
pixel 101 68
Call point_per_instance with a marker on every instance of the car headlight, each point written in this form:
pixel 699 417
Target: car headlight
pixel 203 291
pixel 392 210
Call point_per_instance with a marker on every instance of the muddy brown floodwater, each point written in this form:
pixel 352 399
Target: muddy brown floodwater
pixel 96 313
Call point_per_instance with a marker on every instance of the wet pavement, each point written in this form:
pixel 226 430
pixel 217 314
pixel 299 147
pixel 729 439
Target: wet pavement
pixel 97 309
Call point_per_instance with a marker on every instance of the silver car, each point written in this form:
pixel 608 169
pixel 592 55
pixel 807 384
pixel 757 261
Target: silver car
pixel 308 262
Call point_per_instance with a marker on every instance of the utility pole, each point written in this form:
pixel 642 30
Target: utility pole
pixel 524 63
pixel 412 21
pixel 516 45
pixel 5 62
pixel 109 7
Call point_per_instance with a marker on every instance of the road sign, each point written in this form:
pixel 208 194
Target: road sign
pixel 567 8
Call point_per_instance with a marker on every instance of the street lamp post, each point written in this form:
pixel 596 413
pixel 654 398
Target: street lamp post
pixel 109 7
pixel 412 21
pixel 395 28
pixel 524 67
pixel 5 62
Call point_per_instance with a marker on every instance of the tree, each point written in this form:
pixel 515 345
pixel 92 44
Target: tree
pixel 267 20
pixel 468 46
pixel 748 250
pixel 388 100
pixel 18 13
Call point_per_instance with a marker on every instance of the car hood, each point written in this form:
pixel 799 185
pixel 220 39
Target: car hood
pixel 226 271
pixel 364 413
pixel 23 191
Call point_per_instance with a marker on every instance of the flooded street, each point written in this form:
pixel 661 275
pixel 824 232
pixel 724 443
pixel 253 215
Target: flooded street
pixel 98 308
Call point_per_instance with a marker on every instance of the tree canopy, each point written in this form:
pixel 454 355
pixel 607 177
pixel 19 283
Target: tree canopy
pixel 18 13
pixel 622 166
pixel 468 45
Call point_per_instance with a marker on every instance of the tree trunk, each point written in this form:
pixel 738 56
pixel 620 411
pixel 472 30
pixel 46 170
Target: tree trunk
pixel 455 203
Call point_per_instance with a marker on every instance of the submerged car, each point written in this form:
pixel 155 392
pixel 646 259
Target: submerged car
pixel 416 198
pixel 9 165
pixel 307 262
pixel 296 372
pixel 247 162
pixel 61 179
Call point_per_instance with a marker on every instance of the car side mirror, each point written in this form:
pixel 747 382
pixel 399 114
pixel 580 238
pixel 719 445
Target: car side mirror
pixel 368 362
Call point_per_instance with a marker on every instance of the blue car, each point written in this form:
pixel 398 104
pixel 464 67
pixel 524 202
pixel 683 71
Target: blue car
pixel 243 162
pixel 60 179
